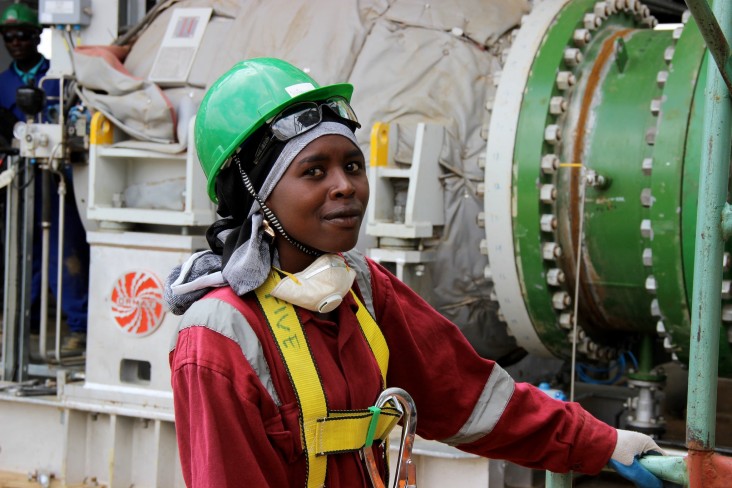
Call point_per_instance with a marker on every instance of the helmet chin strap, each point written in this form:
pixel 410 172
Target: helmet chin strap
pixel 270 216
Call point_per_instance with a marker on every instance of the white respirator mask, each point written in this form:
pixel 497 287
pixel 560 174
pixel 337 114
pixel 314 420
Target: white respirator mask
pixel 320 287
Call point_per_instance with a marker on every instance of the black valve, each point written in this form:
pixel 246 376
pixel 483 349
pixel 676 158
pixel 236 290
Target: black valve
pixel 30 100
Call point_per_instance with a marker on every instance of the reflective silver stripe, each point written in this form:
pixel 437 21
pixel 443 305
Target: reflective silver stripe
pixel 488 409
pixel 357 261
pixel 225 319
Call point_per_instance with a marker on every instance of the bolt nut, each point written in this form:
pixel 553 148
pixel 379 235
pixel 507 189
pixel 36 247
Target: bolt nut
pixel 661 328
pixel 565 320
pixel 561 300
pixel 727 313
pixel 726 261
pixel 651 136
pixel 480 189
pixel 651 285
pixel 484 247
pixel 601 10
pixel 565 80
pixel 549 164
pixel 661 78
pixel 646 197
pixel 488 273
pixel 646 229
pixel 668 344
pixel 656 106
pixel 591 21
pixel 553 134
pixel 572 56
pixel 685 16
pixel 480 220
pixel 548 193
pixel 726 289
pixel 581 37
pixel 551 251
pixel 555 277
pixel 548 223
pixel 655 308
pixel 668 54
pixel 677 33
pixel 647 166
pixel 557 105
pixel 481 161
pixel 647 257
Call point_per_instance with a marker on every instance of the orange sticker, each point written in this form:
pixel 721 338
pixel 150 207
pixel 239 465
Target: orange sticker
pixel 137 303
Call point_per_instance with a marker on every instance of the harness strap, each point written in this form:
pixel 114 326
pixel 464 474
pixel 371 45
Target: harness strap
pixel 322 432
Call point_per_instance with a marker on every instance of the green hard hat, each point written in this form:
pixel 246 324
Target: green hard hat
pixel 19 15
pixel 242 100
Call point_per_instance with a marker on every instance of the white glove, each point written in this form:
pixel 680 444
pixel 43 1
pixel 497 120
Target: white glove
pixel 631 444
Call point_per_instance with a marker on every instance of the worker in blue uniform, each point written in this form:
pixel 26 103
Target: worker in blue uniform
pixel 21 32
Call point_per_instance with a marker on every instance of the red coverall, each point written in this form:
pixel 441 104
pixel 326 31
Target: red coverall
pixel 236 413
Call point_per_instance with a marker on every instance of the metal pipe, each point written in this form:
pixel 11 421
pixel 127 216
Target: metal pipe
pixel 714 37
pixel 709 243
pixel 60 268
pixel 45 250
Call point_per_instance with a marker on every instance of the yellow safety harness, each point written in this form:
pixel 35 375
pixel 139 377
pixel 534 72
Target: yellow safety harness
pixel 324 431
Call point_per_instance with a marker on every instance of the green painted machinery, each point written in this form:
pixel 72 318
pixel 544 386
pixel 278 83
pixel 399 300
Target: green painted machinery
pixel 591 182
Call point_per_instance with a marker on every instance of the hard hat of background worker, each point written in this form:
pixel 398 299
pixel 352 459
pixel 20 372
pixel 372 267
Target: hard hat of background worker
pixel 19 15
pixel 242 100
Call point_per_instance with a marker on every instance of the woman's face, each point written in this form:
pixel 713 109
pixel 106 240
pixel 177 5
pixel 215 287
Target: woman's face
pixel 322 197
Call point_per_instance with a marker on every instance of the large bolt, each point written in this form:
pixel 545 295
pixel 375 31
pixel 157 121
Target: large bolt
pixel 726 261
pixel 551 251
pixel 480 189
pixel 581 37
pixel 601 10
pixel 548 193
pixel 727 313
pixel 647 166
pixel 557 105
pixel 655 106
pixel 647 257
pixel 572 56
pixel 548 223
pixel 553 134
pixel 646 197
pixel 555 277
pixel 565 80
pixel 651 136
pixel 481 161
pixel 488 273
pixel 726 289
pixel 651 285
pixel 480 220
pixel 565 320
pixel 668 344
pixel 549 164
pixel 484 247
pixel 661 328
pixel 591 21
pixel 677 33
pixel 668 54
pixel 561 300
pixel 661 78
pixel 655 308
pixel 646 229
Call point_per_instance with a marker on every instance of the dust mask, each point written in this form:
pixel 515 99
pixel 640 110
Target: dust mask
pixel 320 287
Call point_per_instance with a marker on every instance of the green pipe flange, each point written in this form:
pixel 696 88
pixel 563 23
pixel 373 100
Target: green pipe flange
pixel 528 178
pixel 530 147
pixel 613 275
pixel 668 173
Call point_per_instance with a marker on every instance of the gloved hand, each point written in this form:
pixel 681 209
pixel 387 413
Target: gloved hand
pixel 629 447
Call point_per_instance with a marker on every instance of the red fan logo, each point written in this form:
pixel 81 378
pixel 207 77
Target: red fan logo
pixel 137 303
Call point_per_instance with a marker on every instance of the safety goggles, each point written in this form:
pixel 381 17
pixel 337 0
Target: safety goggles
pixel 21 35
pixel 302 117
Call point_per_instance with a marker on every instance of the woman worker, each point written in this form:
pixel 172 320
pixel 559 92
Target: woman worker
pixel 288 335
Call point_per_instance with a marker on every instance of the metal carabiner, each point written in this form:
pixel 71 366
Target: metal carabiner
pixel 406 471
